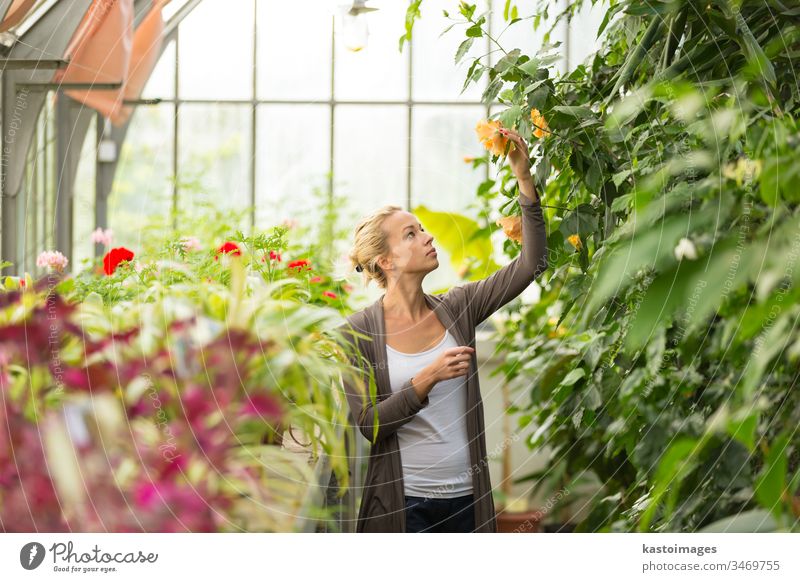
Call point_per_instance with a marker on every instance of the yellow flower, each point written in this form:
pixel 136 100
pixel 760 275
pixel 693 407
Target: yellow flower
pixel 539 123
pixel 744 170
pixel 491 138
pixel 575 240
pixel 512 227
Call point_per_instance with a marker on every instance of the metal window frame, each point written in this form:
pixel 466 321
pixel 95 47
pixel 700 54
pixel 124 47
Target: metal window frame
pixel 254 102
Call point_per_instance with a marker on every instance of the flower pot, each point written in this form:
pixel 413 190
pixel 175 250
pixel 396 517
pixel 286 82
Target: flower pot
pixel 519 521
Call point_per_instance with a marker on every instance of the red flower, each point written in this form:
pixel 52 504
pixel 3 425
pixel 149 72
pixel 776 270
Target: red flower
pixel 299 264
pixel 274 256
pixel 114 257
pixel 330 294
pixel 315 279
pixel 228 248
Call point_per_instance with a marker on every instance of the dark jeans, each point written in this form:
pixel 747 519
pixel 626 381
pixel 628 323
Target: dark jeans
pixel 451 515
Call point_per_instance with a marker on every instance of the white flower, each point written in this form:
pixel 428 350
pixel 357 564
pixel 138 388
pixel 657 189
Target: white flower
pixel 685 250
pixel 53 260
pixel 103 237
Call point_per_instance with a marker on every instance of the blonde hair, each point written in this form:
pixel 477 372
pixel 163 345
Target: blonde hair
pixel 371 243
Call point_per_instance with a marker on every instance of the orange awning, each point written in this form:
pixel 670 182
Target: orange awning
pixel 100 52
pixel 147 41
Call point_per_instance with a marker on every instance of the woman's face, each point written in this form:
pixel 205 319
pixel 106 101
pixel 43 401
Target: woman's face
pixel 411 248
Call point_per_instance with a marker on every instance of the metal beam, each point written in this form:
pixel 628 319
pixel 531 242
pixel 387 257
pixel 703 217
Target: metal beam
pixel 9 38
pixel 46 86
pixel 178 17
pixel 46 33
pixel 17 64
pixel 64 177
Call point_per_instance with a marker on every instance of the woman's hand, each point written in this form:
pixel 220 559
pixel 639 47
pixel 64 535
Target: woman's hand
pixel 451 363
pixel 520 161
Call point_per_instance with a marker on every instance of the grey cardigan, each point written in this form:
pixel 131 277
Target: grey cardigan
pixel 460 310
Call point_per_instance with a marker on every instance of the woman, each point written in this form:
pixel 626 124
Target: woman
pixel 427 468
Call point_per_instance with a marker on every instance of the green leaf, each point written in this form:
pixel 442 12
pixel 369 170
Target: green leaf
pixel 753 521
pixel 742 427
pixel 576 111
pixel 771 483
pixel 573 377
pixel 412 13
pixel 507 61
pixel 467 10
pixel 463 48
pixel 509 117
pixel 530 67
pixel 492 90
pixel 475 31
pixel 582 220
pixel 454 233
pixel 474 73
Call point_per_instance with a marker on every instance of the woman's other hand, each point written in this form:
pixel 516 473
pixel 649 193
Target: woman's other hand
pixel 451 363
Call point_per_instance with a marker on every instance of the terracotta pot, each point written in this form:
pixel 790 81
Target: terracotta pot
pixel 519 521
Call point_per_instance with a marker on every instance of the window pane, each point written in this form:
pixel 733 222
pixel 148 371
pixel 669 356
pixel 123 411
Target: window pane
pixel 442 136
pixel 216 51
pixel 294 50
pixel 214 153
pixel 142 187
pixel 370 162
pixel 436 76
pixel 583 39
pixel 293 157
pixel 83 199
pixel 441 180
pixel 162 81
pixel 379 71
pixel 521 34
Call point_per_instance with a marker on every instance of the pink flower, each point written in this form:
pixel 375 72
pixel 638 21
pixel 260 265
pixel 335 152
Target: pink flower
pixel 190 243
pixel 53 260
pixel 289 223
pixel 315 279
pixel 102 237
pixel 262 405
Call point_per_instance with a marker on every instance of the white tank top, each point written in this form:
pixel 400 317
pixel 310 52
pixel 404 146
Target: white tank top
pixel 433 445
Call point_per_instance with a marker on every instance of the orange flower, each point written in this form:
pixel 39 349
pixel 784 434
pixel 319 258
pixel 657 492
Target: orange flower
pixel 468 159
pixel 512 227
pixel 539 123
pixel 575 240
pixel 491 138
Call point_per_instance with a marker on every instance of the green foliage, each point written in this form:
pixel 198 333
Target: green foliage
pixel 662 357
